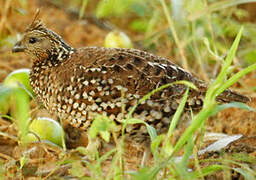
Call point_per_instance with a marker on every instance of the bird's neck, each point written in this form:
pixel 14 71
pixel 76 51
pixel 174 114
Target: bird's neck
pixel 59 53
pixel 43 66
pixel 55 57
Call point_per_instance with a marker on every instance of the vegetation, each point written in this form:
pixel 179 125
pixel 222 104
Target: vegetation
pixel 213 38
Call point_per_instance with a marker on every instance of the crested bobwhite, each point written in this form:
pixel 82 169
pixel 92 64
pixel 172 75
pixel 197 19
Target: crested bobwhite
pixel 78 83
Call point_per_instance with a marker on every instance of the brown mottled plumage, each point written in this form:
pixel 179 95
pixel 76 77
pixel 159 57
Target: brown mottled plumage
pixel 77 83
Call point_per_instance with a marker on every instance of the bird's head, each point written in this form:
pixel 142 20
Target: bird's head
pixel 41 43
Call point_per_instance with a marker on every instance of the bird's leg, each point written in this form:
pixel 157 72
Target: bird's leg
pixel 146 154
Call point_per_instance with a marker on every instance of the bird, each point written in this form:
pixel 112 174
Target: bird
pixel 79 83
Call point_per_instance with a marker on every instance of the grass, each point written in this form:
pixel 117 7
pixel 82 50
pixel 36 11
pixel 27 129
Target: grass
pixel 197 49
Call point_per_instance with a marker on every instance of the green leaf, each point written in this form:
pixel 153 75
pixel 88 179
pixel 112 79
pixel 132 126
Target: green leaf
pixel 105 135
pixel 147 96
pixel 232 105
pixel 250 57
pixel 206 171
pixel 151 131
pixel 188 151
pixel 82 150
pixel 246 174
pixel 5 95
pixel 4 92
pixel 82 9
pixel 177 114
pixel 216 88
pixel 23 161
pixel 235 78
pixel 218 5
pixel 106 156
pixel 139 25
pixel 194 6
pixel 144 173
pixel 195 124
pixel 77 169
pixel 101 125
pixel 155 144
pixel 116 8
pixel 133 121
pixel 21 113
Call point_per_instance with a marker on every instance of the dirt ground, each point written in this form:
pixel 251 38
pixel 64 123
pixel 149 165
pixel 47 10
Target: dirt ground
pixel 88 32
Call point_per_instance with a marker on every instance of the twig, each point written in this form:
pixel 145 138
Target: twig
pixel 175 36
pixel 4 15
pixel 5 156
pixel 9 136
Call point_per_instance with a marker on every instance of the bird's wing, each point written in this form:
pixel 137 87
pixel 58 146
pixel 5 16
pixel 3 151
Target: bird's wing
pixel 138 71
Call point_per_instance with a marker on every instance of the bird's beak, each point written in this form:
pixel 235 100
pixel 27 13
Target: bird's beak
pixel 18 47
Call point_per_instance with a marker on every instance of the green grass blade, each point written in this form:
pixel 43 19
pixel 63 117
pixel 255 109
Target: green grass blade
pixel 236 77
pixel 211 93
pixel 206 171
pixel 247 175
pixel 188 151
pixel 196 123
pixel 230 105
pixel 82 9
pixel 177 114
pixel 147 96
pixel 217 6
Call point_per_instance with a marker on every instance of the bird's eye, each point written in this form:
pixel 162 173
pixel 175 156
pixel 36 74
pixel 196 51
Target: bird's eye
pixel 32 40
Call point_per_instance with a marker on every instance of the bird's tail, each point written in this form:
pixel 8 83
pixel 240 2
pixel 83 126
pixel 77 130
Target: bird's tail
pixel 229 96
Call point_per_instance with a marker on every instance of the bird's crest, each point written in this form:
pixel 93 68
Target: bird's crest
pixel 36 24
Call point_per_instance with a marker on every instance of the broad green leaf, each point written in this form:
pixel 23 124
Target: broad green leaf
pixel 77 169
pixel 151 131
pixel 101 125
pixel 232 105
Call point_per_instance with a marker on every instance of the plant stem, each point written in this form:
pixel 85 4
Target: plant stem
pixel 175 36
